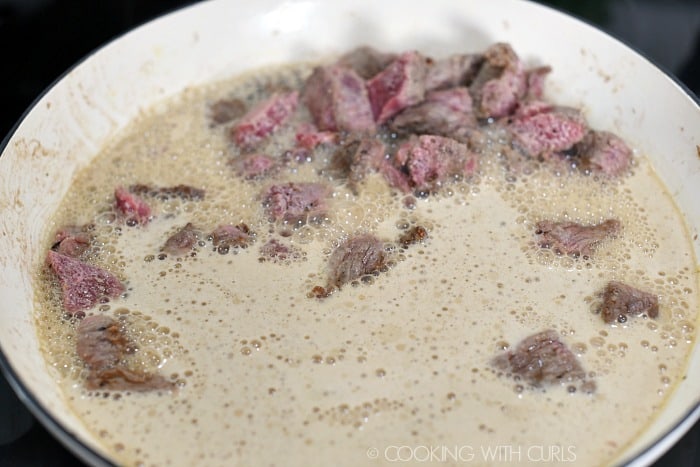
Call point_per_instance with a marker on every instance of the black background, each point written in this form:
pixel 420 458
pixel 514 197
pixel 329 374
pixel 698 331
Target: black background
pixel 41 39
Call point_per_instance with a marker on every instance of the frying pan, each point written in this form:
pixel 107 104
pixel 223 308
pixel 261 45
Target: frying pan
pixel 65 129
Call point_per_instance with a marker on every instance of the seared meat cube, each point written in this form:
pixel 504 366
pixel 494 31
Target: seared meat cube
pixel 414 235
pixel 83 285
pixel 400 85
pixel 183 241
pixel 570 238
pixel 227 236
pixel 164 193
pixel 72 240
pixel 359 255
pixel 535 81
pixel 541 359
pixel 276 251
pixel 621 300
pixel 541 129
pixel 308 137
pixel 602 152
pixel 250 166
pixel 500 84
pixel 134 209
pixel 296 202
pixel 455 70
pixel 338 101
pixel 226 110
pixel 366 61
pixel 356 159
pixel 102 345
pixel 429 160
pixel 264 119
pixel 396 177
pixel 120 378
pixel 441 113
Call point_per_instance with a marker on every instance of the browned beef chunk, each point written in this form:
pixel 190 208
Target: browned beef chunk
pixel 396 177
pixel 366 61
pixel 251 166
pixel 429 160
pixel 102 345
pixel 276 251
pixel 540 129
pixel 296 202
pixel 134 209
pixel 602 152
pixel 541 359
pixel 119 378
pixel 264 119
pixel 570 238
pixel 500 84
pixel 226 110
pixel 399 85
pixel 182 241
pixel 535 81
pixel 185 192
pixel 621 300
pixel 338 101
pixel 415 234
pixel 225 237
pixel 359 255
pixel 441 113
pixel 308 137
pixel 83 285
pixel 356 159
pixel 455 70
pixel 73 240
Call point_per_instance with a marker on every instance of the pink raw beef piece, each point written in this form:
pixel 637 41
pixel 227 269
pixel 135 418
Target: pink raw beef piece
pixel 264 119
pixel 83 285
pixel 132 207
pixel 400 85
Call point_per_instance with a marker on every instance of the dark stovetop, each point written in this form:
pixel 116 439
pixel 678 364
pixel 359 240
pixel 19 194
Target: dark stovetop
pixel 40 39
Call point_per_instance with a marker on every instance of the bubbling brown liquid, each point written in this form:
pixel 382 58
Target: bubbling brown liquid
pixel 268 375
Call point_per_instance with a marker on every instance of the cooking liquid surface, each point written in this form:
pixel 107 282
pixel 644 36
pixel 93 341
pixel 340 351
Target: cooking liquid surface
pixel 390 367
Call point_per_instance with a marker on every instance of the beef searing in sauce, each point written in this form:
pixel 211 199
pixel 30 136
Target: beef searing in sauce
pixel 132 207
pixel 543 359
pixel 441 113
pixel 225 237
pixel 415 234
pixel 621 300
pixel 366 61
pixel 183 241
pixel 264 119
pixel 541 129
pixel 337 99
pixel 309 137
pixel 429 161
pixel 356 159
pixel 102 345
pixel 570 238
pixel 276 251
pixel 398 86
pixel 226 110
pixel 600 152
pixel 359 255
pixel 455 70
pixel 184 192
pixel 296 202
pixel 83 285
pixel 73 240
